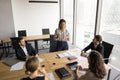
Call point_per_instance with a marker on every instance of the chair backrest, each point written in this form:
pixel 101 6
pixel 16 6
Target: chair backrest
pixel 15 42
pixel 107 50
pixel 1 42
pixel 2 46
pixel 52 43
pixel 45 31
pixel 22 33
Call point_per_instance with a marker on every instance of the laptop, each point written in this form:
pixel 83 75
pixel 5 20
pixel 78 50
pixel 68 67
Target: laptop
pixel 10 61
pixel 72 65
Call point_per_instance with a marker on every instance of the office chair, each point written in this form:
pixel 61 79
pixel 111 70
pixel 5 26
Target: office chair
pixel 45 31
pixel 107 50
pixel 2 47
pixel 53 43
pixel 22 33
pixel 15 42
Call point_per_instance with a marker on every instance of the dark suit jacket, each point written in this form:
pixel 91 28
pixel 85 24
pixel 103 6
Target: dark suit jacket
pixel 20 53
pixel 99 48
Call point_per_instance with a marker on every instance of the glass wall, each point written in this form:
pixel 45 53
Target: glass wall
pixel 86 13
pixel 68 16
pixel 110 26
pixel 85 27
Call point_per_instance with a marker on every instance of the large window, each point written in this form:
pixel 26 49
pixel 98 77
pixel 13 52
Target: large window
pixel 110 25
pixel 68 16
pixel 108 22
pixel 86 13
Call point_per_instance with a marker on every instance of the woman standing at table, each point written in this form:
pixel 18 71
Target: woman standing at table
pixel 62 36
pixel 96 68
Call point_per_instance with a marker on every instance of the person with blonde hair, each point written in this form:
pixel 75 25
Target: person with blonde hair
pixel 62 36
pixel 33 68
pixel 96 68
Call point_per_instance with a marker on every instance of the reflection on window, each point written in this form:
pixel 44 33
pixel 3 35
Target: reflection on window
pixel 86 11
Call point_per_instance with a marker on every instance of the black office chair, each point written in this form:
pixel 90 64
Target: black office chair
pixel 2 47
pixel 46 31
pixel 22 33
pixel 53 43
pixel 15 42
pixel 107 50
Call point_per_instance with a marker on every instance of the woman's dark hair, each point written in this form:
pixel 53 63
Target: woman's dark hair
pixel 60 22
pixel 96 64
pixel 31 65
pixel 98 38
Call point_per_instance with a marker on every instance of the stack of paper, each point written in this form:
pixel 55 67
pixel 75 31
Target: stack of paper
pixel 17 66
pixel 40 59
pixel 66 54
pixel 51 76
pixel 80 73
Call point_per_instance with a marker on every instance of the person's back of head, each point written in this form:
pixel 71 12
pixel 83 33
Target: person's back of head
pixel 96 64
pixel 31 65
pixel 33 68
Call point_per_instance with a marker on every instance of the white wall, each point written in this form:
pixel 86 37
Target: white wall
pixel 6 20
pixel 35 16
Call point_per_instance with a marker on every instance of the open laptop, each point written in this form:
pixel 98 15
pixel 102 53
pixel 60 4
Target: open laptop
pixel 10 61
pixel 72 65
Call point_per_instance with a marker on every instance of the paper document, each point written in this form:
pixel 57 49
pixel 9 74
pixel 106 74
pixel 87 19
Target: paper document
pixel 76 53
pixel 51 76
pixel 80 59
pixel 80 73
pixel 66 54
pixel 17 66
pixel 40 59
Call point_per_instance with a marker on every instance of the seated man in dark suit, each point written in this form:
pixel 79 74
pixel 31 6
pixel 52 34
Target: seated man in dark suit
pixel 94 45
pixel 24 50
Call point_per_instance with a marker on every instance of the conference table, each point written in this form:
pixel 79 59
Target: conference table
pixel 50 62
pixel 34 38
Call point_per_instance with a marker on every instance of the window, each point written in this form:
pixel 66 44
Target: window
pixel 110 25
pixel 86 12
pixel 68 16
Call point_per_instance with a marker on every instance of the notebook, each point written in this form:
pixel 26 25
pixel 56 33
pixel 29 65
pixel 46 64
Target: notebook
pixel 62 73
pixel 72 58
